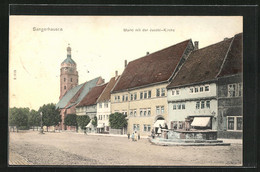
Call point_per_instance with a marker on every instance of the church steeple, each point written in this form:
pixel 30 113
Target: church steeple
pixel 68 74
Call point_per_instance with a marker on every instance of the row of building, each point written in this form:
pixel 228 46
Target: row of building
pixel 181 87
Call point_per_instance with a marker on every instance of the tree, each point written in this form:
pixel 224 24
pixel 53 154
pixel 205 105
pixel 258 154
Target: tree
pixel 34 118
pixel 71 120
pixel 94 121
pixel 19 117
pixel 83 121
pixel 117 120
pixel 50 115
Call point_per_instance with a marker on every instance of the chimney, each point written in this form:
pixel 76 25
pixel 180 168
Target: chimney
pixel 116 73
pixel 125 63
pixel 225 38
pixel 196 45
pixel 147 53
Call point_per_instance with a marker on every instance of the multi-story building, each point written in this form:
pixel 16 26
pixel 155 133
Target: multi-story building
pixel 103 106
pixel 140 92
pixel 207 89
pixel 88 105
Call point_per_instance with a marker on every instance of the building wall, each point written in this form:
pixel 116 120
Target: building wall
pixel 104 112
pixel 187 102
pixel 229 107
pixel 91 111
pixel 148 103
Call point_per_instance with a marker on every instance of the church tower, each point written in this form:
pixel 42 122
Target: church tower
pixel 68 74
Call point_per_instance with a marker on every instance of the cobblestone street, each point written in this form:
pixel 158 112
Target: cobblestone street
pixel 67 148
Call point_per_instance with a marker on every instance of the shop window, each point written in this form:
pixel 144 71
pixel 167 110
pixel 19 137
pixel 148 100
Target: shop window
pixel 231 122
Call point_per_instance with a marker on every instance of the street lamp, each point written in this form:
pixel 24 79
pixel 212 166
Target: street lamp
pixel 41 130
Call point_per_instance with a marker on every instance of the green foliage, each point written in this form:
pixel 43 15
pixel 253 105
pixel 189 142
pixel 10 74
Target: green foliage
pixel 18 117
pixel 94 121
pixel 117 120
pixel 83 121
pixel 50 115
pixel 34 118
pixel 71 120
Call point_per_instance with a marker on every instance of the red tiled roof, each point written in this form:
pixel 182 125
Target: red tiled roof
pixel 202 65
pixel 153 68
pixel 234 62
pixel 105 96
pixel 92 96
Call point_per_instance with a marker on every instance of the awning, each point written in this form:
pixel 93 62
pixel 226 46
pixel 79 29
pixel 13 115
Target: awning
pixel 89 124
pixel 200 121
pixel 100 126
pixel 158 122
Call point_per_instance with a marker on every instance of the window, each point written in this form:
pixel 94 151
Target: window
pixel 131 97
pixel 239 123
pixel 141 95
pixel 183 106
pixel 126 97
pixel 135 96
pixel 231 90
pixel 115 98
pixel 70 79
pixel 145 127
pixel 104 117
pixel 149 112
pixel 118 98
pixel 207 88
pixel 179 106
pixel 174 107
pixel 134 112
pixel 100 105
pixel 177 92
pixel 191 90
pixel 239 89
pixel 107 116
pixel 208 104
pixel 64 87
pixel 100 117
pixel 144 112
pixel 231 122
pixel 149 94
pixel 145 94
pixel 141 112
pixel 197 105
pixel 202 104
pixel 173 92
pixel 134 127
pixel 163 92
pixel 201 89
pixel 106 105
pixel 131 113
pixel 157 110
pixel 64 79
pixel 158 92
pixel 137 127
pixel 162 109
pixel 235 123
pixel 148 127
pixel 196 89
pixel 123 98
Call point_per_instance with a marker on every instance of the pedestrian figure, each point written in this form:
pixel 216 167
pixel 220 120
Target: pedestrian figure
pixel 133 136
pixel 153 133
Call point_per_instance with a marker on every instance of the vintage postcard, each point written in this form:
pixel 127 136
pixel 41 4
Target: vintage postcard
pixel 125 90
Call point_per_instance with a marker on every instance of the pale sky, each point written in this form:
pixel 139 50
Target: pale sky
pixel 99 45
